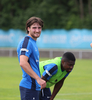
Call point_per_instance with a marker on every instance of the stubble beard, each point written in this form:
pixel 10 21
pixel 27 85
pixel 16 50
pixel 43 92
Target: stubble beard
pixel 34 36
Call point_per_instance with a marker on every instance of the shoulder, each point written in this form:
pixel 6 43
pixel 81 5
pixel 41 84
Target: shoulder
pixel 26 38
pixel 28 41
pixel 51 67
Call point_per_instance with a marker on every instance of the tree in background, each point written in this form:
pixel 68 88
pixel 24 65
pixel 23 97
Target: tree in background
pixel 56 14
pixel 81 10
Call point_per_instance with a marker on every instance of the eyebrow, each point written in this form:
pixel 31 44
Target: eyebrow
pixel 38 27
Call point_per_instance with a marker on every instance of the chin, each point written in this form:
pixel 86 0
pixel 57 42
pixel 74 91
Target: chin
pixel 68 71
pixel 37 36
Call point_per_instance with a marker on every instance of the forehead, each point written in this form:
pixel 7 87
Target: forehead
pixel 35 25
pixel 71 62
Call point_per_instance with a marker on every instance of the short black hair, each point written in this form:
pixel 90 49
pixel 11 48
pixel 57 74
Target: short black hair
pixel 67 56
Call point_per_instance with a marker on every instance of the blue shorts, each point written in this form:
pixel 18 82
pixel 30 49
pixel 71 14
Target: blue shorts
pixel 28 94
pixel 45 94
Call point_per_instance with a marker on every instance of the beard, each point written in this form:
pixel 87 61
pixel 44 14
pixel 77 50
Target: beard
pixel 35 35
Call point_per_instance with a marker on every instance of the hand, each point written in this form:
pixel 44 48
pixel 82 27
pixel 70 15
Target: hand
pixel 42 83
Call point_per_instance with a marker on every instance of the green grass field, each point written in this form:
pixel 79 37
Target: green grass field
pixel 77 86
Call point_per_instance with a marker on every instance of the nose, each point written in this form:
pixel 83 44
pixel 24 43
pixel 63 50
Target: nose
pixel 37 29
pixel 71 67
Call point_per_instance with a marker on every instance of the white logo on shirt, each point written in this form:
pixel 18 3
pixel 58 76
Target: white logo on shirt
pixel 48 73
pixel 33 98
pixel 48 97
pixel 24 49
pixel 37 60
pixel 35 49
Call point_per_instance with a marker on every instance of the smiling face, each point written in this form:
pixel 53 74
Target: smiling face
pixel 67 65
pixel 34 30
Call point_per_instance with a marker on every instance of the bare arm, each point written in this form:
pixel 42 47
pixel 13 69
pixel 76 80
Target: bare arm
pixel 57 88
pixel 44 78
pixel 27 68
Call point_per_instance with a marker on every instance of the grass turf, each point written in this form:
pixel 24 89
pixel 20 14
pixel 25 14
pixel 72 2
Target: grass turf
pixel 77 86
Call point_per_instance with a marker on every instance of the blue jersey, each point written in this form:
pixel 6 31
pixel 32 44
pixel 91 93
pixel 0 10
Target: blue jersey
pixel 52 69
pixel 28 47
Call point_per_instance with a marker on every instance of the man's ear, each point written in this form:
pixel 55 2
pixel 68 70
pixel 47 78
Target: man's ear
pixel 28 28
pixel 62 61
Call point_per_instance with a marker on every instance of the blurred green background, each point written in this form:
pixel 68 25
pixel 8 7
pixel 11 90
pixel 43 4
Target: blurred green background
pixel 56 14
